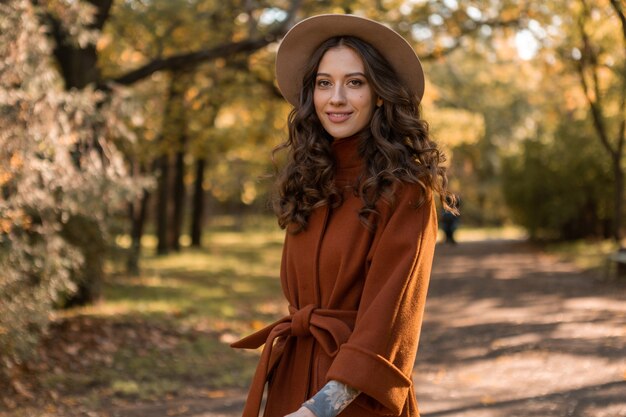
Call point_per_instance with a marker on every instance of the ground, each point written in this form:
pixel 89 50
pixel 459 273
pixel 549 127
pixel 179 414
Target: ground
pixel 509 331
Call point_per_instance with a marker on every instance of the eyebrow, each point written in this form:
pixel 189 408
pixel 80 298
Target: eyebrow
pixel 352 74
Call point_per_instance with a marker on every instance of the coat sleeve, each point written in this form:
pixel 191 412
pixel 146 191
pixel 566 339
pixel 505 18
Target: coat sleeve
pixel 378 357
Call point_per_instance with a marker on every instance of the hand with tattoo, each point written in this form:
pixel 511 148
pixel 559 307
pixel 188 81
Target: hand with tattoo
pixel 331 400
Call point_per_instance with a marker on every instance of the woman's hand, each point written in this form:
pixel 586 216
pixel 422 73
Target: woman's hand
pixel 301 412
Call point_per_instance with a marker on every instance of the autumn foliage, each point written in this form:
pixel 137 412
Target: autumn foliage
pixel 125 118
pixel 58 167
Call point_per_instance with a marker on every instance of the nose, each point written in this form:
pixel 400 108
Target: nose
pixel 339 95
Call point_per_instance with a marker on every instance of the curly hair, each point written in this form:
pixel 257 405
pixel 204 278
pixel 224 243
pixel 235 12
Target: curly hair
pixel 397 148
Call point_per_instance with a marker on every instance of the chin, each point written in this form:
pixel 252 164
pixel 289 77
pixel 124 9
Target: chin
pixel 340 134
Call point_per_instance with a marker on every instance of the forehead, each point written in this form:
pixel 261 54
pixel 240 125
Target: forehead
pixel 341 59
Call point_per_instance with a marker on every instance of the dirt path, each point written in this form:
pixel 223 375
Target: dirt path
pixel 508 332
pixel 513 332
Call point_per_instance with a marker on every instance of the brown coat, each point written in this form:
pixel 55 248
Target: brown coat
pixel 356 303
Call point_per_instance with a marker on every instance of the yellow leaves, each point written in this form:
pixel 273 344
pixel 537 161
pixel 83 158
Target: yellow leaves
pixel 12 218
pixel 220 63
pixel 573 99
pixel 487 399
pixel 197 105
pixel 5 176
pixel 130 56
pixel 216 393
pixel 125 387
pixel 21 389
pixel 453 127
pixel 104 41
pixel 248 192
pixel 179 410
pixel 191 93
pixel 227 118
pixel 16 162
pixel 257 325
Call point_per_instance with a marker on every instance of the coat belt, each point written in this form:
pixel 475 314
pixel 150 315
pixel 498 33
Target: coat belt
pixel 330 328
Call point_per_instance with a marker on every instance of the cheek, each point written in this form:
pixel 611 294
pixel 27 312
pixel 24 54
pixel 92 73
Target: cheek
pixel 366 102
pixel 318 101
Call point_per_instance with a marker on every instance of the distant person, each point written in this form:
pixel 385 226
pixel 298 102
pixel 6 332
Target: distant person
pixel 356 199
pixel 450 222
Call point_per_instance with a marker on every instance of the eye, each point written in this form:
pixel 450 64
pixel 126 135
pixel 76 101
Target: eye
pixel 323 83
pixel 355 82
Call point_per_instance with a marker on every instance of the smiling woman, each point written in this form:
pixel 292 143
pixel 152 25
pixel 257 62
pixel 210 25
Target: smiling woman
pixel 344 100
pixel 356 199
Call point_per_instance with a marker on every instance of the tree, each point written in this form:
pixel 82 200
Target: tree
pixel 557 193
pixel 605 89
pixel 582 55
pixel 77 57
pixel 53 180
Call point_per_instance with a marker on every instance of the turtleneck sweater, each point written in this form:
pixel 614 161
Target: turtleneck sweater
pixel 356 301
pixel 349 164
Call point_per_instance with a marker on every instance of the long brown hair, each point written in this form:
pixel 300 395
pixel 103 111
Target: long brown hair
pixel 397 147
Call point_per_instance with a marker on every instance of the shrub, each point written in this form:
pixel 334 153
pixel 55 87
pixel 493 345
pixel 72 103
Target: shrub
pixel 57 164
pixel 561 188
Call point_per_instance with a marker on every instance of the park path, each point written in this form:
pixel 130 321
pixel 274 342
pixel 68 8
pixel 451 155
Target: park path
pixel 509 332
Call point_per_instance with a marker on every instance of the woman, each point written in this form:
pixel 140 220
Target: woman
pixel 356 198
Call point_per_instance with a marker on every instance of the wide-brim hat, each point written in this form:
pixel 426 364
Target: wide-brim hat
pixel 307 35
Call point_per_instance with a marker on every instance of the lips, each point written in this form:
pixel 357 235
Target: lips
pixel 338 117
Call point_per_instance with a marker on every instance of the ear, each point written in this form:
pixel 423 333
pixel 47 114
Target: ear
pixel 379 102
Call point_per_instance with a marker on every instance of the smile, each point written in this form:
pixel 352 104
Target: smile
pixel 338 117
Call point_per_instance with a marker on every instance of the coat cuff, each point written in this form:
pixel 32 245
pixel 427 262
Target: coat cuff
pixel 374 376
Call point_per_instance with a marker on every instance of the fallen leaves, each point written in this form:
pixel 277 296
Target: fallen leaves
pixel 21 389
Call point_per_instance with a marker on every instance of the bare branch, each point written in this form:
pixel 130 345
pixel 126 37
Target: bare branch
pixel 588 59
pixel 468 31
pixel 622 127
pixel 189 61
pixel 268 84
pixel 621 15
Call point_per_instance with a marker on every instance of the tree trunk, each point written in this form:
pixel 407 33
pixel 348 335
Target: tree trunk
pixel 618 209
pixel 179 194
pixel 138 216
pixel 170 128
pixel 162 204
pixel 79 65
pixel 197 214
pixel 85 234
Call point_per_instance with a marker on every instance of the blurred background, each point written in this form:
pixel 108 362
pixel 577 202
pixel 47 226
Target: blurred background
pixel 136 240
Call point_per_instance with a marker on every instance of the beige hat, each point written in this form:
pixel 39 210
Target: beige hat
pixel 306 36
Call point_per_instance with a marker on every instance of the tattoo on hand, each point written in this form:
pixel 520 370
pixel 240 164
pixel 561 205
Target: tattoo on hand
pixel 332 399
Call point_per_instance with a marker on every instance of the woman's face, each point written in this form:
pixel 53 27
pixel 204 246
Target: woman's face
pixel 344 100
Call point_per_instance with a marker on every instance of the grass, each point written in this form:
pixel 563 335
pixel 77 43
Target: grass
pixel 233 278
pixel 472 234
pixel 586 254
pixel 166 332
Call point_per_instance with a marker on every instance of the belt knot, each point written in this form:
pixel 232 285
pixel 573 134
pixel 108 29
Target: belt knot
pixel 330 328
pixel 301 320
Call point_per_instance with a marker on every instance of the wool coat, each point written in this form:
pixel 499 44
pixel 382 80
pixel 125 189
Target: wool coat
pixel 356 302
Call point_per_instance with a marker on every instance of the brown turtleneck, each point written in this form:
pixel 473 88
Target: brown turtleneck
pixel 356 303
